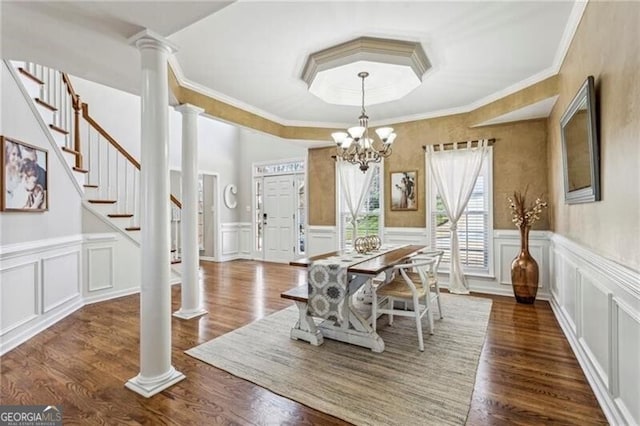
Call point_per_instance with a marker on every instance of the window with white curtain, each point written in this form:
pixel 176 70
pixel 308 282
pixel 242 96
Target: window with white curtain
pixel 370 217
pixel 475 227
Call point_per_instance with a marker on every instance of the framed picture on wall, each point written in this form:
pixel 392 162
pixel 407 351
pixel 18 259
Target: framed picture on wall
pixel 404 190
pixel 24 179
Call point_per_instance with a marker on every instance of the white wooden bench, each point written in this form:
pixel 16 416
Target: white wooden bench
pixel 305 329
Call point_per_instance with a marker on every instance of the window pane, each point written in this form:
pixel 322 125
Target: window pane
pixel 369 218
pixel 472 229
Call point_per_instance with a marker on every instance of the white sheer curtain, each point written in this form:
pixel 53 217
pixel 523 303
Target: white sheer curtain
pixel 355 186
pixel 455 172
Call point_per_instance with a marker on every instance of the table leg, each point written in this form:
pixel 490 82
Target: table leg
pixel 305 328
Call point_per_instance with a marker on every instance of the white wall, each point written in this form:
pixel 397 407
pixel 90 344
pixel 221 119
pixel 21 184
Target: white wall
pixel 218 152
pixel 116 111
pixel 258 147
pixel 64 215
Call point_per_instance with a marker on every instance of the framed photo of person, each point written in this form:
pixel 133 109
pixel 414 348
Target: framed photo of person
pixel 24 179
pixel 404 190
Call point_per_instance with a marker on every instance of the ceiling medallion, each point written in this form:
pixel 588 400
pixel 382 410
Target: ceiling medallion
pixel 396 66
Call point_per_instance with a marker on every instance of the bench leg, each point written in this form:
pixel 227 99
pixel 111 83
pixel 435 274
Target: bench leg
pixel 306 329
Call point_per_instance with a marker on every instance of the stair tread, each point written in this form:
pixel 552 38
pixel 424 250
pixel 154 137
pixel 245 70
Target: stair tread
pixel 102 201
pixel 132 228
pixel 70 151
pixel 58 129
pixel 29 75
pixel 46 104
pixel 174 261
pixel 86 185
pixel 120 215
pixel 79 170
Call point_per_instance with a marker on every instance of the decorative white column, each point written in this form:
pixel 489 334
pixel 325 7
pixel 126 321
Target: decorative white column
pixel 191 300
pixel 156 371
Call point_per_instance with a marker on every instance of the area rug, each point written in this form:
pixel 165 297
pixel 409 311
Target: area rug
pixel 401 386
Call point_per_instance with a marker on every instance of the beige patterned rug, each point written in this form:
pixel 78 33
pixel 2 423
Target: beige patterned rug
pixel 401 386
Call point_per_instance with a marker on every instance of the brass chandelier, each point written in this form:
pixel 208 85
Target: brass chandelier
pixel 355 145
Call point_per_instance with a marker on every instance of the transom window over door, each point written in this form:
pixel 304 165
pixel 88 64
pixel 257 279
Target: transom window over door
pixel 475 227
pixel 370 218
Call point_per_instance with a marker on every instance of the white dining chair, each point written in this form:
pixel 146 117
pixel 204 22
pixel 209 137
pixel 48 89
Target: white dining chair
pixel 433 275
pixel 407 286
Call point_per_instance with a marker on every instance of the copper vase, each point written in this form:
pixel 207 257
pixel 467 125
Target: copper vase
pixel 524 272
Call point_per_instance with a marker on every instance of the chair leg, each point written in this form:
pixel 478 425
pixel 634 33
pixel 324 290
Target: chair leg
pixel 416 310
pixel 439 305
pixel 427 301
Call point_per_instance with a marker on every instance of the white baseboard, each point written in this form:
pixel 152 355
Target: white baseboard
pixel 39 326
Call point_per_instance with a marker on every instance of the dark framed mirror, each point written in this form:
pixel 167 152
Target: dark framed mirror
pixel 580 147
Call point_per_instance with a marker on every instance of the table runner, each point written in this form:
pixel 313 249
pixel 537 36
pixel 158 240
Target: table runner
pixel 328 281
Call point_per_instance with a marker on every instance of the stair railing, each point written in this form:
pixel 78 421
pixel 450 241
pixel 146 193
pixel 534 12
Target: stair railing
pixel 115 174
pixel 112 171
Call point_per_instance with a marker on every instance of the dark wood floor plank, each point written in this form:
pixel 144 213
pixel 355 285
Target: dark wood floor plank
pixel 527 372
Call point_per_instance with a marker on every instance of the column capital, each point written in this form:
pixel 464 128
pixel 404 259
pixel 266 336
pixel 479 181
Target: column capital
pixel 147 39
pixel 188 109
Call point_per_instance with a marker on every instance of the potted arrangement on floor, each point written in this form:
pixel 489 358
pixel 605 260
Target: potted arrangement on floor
pixel 524 269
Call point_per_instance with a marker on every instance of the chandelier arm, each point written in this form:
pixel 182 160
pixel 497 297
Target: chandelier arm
pixel 362 150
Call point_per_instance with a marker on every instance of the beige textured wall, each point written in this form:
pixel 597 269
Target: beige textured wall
pixel 607 46
pixel 519 159
pixel 322 183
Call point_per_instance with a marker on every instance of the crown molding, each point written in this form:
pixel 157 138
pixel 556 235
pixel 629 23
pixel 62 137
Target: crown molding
pixel 567 37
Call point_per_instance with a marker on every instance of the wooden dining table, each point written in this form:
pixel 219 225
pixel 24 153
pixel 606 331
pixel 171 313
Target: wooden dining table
pixel 355 329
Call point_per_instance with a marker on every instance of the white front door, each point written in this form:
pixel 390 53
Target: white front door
pixel 278 218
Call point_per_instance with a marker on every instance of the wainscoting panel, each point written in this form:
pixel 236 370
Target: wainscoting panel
pixel 506 245
pixel 100 268
pixel 60 279
pixel 230 239
pixel 568 283
pixel 597 304
pixel 321 239
pixel 594 325
pixel 18 295
pixel 236 241
pixel 626 358
pixel 417 236
pixel 40 284
pixel 245 240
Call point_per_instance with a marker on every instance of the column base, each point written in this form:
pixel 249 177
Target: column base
pixel 190 313
pixel 148 388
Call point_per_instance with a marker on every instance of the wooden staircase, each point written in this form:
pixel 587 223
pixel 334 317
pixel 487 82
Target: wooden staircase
pixel 107 173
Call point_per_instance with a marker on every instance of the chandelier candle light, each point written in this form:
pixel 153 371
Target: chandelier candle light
pixel 355 145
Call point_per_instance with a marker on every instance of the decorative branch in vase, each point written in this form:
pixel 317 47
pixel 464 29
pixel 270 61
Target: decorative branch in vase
pixel 524 269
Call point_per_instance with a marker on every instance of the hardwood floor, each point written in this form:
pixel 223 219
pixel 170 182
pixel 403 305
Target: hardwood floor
pixel 527 372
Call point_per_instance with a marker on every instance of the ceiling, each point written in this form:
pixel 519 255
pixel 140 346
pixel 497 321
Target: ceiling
pixel 251 54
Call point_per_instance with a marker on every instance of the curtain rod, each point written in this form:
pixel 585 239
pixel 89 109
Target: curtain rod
pixel 490 142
